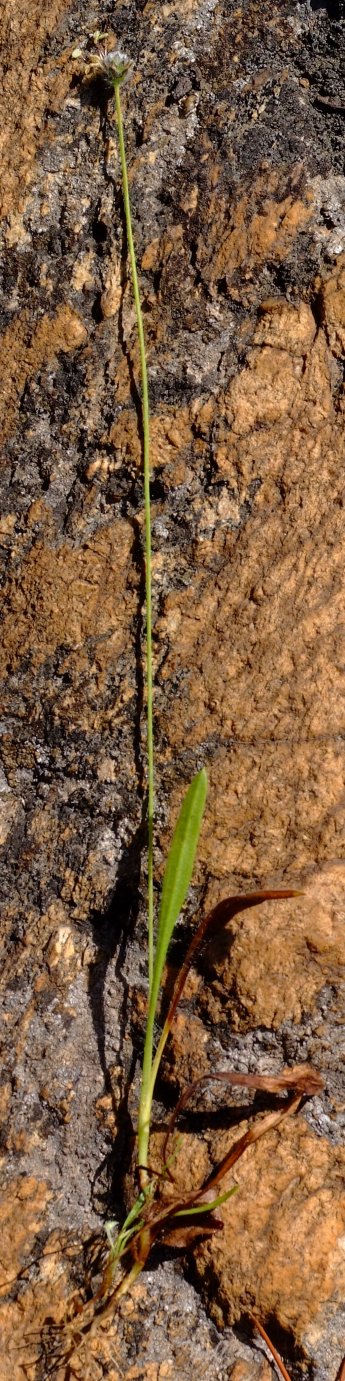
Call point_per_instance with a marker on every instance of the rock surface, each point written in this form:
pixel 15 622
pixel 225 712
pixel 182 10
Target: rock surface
pixel 234 130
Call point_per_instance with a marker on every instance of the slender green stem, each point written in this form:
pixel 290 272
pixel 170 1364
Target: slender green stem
pixel 148 562
pixel 146 1093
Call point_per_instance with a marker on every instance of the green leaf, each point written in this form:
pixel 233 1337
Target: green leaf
pixel 179 869
pixel 177 877
pixel 207 1207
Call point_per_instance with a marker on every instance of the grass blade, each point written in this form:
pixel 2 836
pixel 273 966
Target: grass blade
pixel 177 877
pixel 179 867
pixel 208 1207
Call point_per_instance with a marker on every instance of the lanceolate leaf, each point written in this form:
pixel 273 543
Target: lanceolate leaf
pixel 177 877
pixel 179 869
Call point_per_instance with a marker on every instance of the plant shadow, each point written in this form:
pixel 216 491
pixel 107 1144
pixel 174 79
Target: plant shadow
pixel 111 931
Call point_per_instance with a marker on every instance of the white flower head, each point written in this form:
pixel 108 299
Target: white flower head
pixel 115 65
pixel 112 64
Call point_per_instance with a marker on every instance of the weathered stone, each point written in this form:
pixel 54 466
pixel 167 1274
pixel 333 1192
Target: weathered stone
pixel 238 192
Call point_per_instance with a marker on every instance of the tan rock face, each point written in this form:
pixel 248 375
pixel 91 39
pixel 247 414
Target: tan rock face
pixel 25 350
pixel 244 1372
pixel 24 94
pixel 272 964
pixel 282 1247
pixel 64 594
pixel 273 684
pixel 23 1211
pixel 260 628
pixel 251 236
